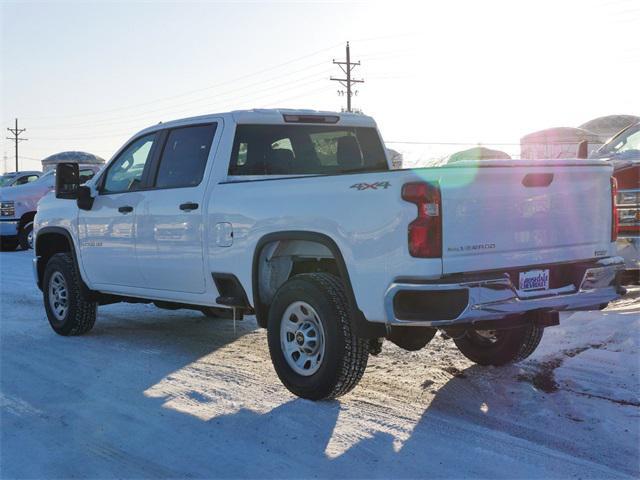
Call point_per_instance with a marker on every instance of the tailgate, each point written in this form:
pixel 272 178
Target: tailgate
pixel 506 214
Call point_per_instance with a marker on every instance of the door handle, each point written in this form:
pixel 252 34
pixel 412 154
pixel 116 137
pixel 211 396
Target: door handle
pixel 125 209
pixel 537 180
pixel 189 206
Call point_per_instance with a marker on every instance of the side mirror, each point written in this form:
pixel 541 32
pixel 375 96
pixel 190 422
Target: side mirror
pixel 85 200
pixel 67 180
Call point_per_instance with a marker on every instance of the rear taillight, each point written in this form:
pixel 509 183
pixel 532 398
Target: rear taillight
pixel 425 232
pixel 628 207
pixel 615 220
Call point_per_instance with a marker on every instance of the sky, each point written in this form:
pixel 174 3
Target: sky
pixel 88 75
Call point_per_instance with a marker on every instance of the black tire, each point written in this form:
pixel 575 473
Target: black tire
pixel 8 245
pixel 345 354
pixel 81 312
pixel 508 345
pixel 23 236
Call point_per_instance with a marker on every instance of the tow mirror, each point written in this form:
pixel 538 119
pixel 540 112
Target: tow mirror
pixel 67 180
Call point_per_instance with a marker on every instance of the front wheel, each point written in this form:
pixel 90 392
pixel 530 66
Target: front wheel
pixel 69 310
pixel 499 347
pixel 25 236
pixel 313 348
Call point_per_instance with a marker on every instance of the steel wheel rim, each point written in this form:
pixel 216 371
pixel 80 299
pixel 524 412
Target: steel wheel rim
pixel 58 296
pixel 302 338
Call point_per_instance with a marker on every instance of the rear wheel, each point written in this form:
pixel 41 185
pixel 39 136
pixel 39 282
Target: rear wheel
pixel 499 347
pixel 68 309
pixel 313 348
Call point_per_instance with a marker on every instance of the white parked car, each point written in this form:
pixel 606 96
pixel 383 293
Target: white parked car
pixel 13 179
pixel 18 207
pixel 296 216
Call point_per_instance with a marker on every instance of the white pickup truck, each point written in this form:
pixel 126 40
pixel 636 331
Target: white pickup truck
pixel 296 217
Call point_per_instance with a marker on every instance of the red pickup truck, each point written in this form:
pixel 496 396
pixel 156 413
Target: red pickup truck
pixel 623 150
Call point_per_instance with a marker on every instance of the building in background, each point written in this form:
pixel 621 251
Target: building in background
pixel 396 158
pixel 81 158
pixel 479 153
pixel 607 127
pixel 563 142
pixel 559 142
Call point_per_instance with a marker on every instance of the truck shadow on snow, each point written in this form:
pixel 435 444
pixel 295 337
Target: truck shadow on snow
pixel 173 394
pixel 238 404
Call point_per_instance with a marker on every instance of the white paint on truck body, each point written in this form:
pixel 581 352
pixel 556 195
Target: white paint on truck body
pixel 490 221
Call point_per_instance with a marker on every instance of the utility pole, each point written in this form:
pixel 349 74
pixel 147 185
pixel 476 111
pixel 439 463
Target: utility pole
pixel 347 67
pixel 16 133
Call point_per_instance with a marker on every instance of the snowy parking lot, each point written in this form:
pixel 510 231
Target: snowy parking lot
pixel 155 393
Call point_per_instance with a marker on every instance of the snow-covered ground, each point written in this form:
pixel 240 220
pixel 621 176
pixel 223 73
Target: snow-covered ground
pixel 153 393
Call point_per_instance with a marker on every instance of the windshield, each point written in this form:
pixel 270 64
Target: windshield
pixel 626 142
pixel 6 180
pixel 46 176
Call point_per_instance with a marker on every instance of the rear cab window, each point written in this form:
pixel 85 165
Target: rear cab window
pixel 305 150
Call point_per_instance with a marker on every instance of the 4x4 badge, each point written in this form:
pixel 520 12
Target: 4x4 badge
pixel 372 186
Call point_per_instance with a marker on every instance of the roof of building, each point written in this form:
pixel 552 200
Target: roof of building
pixel 560 135
pixel 609 125
pixel 77 157
pixel 478 153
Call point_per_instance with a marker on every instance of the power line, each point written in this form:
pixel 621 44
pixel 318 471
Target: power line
pixel 233 80
pixel 175 108
pixel 277 103
pixel 346 67
pixel 228 102
pixel 16 134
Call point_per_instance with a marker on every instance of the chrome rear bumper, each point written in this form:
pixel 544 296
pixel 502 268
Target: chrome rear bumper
pixel 496 298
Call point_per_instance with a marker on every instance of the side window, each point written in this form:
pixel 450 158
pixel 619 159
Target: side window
pixel 326 146
pixel 184 156
pixel 282 144
pixel 125 173
pixel 632 142
pixel 26 179
pixel 243 150
pixel 86 175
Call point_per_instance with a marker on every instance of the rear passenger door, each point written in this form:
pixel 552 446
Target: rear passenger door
pixel 169 224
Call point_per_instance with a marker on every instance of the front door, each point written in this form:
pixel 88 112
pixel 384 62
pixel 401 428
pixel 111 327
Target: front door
pixel 169 243
pixel 107 231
